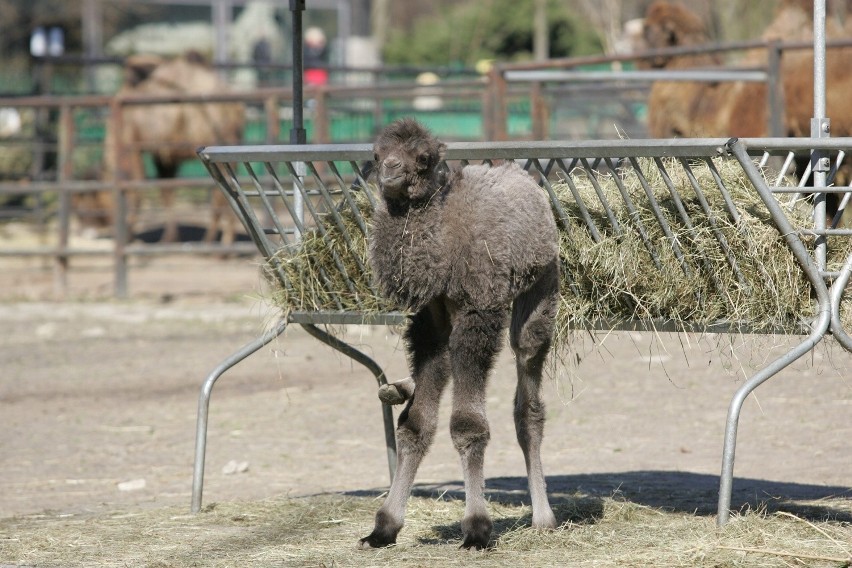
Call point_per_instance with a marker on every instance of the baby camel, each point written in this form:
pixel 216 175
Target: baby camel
pixel 461 250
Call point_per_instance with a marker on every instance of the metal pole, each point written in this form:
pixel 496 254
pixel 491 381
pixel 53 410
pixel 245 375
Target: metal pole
pixel 820 128
pixel 92 26
pixel 297 133
pixel 378 373
pixel 204 407
pixel 820 328
pixel 222 16
pixel 775 91
pixel 66 172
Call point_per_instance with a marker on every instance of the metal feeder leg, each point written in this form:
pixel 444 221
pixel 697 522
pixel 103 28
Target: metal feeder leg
pixel 204 406
pixel 354 354
pixel 727 478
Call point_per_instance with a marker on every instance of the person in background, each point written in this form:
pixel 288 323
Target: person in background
pixel 315 57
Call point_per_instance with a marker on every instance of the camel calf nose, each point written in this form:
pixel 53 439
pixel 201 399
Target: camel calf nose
pixel 391 163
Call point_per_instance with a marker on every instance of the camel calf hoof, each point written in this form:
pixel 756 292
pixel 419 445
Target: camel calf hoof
pixel 477 532
pixel 398 392
pixel 374 541
pixel 546 521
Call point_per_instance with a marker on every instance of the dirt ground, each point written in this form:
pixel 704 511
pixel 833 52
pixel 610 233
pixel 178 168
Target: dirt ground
pixel 98 403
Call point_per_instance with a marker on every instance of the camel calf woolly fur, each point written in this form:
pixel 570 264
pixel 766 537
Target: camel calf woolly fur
pixel 467 251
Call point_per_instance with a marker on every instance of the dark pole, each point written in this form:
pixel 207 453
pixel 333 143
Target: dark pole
pixel 297 133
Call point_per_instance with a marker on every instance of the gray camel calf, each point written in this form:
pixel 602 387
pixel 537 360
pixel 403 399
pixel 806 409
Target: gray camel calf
pixel 467 251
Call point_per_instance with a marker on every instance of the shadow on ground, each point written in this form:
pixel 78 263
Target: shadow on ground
pixel 186 234
pixel 579 497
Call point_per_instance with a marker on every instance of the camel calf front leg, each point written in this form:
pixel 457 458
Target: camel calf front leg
pixel 474 344
pixel 427 342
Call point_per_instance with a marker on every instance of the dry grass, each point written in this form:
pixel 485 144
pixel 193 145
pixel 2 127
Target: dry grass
pixel 712 268
pixel 634 270
pixel 322 531
pixel 327 272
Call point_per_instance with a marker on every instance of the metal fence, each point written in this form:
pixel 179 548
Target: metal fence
pixel 282 194
pixel 557 99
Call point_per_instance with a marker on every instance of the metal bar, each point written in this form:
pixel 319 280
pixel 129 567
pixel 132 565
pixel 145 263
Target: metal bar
pixel 687 222
pixel 297 133
pixel 378 373
pixel 361 178
pixel 616 226
pixel 819 328
pixel 633 213
pixel 122 226
pixel 349 199
pixel 584 211
pixel 775 91
pixel 838 287
pixel 331 210
pixel 298 220
pixel 66 171
pixel 264 199
pixel 714 224
pixel 726 478
pixel 820 128
pixel 204 407
pixel 229 177
pixel 692 75
pixel 785 229
pixel 562 216
pixel 661 218
pixel 338 262
pixel 348 318
pixel 541 149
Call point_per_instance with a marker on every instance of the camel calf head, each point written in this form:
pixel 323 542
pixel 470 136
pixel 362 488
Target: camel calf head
pixel 408 161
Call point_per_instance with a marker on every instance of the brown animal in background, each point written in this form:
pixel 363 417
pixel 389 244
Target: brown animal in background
pixel 461 250
pixel 737 108
pixel 675 108
pixel 171 132
pixel 794 22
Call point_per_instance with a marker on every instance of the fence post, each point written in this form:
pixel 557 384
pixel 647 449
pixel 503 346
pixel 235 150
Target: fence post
pixel 119 190
pixel 496 119
pixel 775 91
pixel 66 169
pixel 273 124
pixel 322 128
pixel 539 112
pixel 820 128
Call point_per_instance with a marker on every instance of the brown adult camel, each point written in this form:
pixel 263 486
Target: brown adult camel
pixel 738 108
pixel 170 132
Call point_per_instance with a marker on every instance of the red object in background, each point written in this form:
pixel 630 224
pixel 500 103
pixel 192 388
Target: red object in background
pixel 316 76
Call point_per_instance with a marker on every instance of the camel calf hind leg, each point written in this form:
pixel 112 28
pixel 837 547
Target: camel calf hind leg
pixel 530 334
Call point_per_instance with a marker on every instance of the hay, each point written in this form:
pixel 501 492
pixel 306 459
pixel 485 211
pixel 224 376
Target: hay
pixel 617 265
pixel 323 530
pixel 328 270
pixel 641 273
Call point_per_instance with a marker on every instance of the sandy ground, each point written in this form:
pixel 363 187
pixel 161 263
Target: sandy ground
pixel 98 404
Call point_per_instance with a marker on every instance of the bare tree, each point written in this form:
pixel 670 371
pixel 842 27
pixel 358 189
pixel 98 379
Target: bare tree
pixel 607 18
